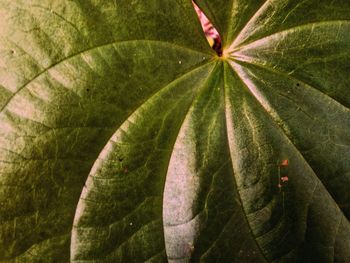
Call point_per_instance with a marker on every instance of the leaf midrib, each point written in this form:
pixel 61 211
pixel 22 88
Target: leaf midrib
pixel 186 111
pixel 121 42
pixel 298 152
pixel 234 178
pixel 283 130
pixel 287 76
pixel 246 45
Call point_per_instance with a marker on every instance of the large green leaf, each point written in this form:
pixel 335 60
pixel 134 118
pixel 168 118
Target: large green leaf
pixel 125 138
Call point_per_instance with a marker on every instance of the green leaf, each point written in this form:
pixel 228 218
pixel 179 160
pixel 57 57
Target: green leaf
pixel 125 138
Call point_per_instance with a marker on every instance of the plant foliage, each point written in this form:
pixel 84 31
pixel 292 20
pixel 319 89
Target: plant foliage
pixel 125 138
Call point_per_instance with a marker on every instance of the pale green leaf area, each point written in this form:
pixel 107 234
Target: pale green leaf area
pixel 125 138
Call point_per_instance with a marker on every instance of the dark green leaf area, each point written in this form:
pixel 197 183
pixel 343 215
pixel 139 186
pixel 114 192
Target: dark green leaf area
pixel 288 220
pixel 316 54
pixel 103 209
pixel 71 111
pixel 125 138
pixel 318 126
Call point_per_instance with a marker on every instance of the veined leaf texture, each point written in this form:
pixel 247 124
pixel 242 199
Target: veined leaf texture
pixel 124 137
